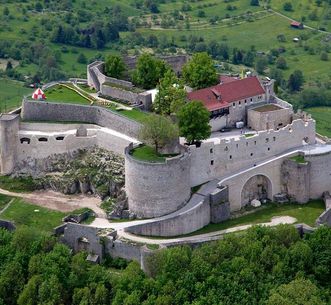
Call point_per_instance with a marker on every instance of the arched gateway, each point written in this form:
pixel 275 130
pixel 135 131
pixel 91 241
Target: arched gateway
pixel 257 187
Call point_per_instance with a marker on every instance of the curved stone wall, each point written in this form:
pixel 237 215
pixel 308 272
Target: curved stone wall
pixel 157 189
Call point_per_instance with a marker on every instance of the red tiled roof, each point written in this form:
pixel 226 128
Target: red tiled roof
pixel 227 79
pixel 220 96
pixel 296 23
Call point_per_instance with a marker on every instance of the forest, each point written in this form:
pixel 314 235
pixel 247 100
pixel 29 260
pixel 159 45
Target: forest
pixel 269 266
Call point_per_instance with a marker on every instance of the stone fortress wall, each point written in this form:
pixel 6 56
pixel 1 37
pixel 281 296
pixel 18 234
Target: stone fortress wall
pixel 34 143
pixel 44 111
pixel 116 88
pixel 215 159
pixel 156 189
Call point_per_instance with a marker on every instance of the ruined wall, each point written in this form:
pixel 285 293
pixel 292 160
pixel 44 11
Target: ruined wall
pixel 44 111
pixel 268 120
pixel 9 125
pixel 214 160
pixel 156 189
pixel 143 98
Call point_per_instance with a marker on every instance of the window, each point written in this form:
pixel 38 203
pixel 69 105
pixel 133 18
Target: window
pixel 267 140
pixel 42 139
pixel 211 151
pixel 246 143
pixel 61 138
pixel 234 104
pixel 226 148
pixel 230 157
pixel 237 145
pixel 25 140
pixel 274 138
pixel 239 102
pixel 268 148
pixel 254 142
pixel 212 162
pixel 252 154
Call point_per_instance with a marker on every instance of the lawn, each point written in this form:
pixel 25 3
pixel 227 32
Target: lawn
pixel 307 214
pixel 65 95
pixel 147 153
pixel 134 114
pixel 22 213
pixel 322 115
pixel 19 184
pixel 11 94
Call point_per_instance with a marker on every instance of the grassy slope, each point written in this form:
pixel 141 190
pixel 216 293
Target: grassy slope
pixel 22 213
pixel 307 213
pixel 322 115
pixel 20 184
pixel 65 95
pixel 11 93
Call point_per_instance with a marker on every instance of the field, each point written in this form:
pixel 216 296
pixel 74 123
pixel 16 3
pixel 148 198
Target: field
pixel 322 115
pixel 11 93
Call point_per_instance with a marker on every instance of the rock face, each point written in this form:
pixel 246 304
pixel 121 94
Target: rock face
pixel 95 171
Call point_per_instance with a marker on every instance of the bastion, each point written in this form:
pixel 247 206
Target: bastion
pixel 157 189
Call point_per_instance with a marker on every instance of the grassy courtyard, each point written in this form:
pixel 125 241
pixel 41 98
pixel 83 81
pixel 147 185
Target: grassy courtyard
pixel 322 115
pixel 65 95
pixel 4 200
pixel 147 153
pixel 22 213
pixel 306 213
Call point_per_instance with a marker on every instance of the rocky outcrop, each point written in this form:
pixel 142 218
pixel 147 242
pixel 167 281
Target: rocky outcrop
pixel 95 171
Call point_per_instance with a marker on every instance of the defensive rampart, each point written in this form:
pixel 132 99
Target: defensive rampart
pixel 44 111
pixel 156 189
pixel 218 158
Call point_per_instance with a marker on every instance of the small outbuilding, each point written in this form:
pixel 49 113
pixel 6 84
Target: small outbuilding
pixel 297 25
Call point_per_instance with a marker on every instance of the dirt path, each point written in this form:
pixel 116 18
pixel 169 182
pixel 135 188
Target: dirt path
pixel 59 202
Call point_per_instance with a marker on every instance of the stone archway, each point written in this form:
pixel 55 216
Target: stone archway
pixel 257 187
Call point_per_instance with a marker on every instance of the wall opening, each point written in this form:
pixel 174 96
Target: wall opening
pixel 42 139
pixel 257 187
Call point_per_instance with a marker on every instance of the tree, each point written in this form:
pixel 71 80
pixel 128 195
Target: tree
pixel 158 131
pixel 324 56
pixel 281 63
pixel 171 95
pixel 193 121
pixel 288 6
pixel 299 291
pixel 261 64
pixel 149 70
pixel 9 65
pixel 200 72
pixel 82 59
pixel 255 2
pixel 6 11
pixel 114 66
pixel 295 81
